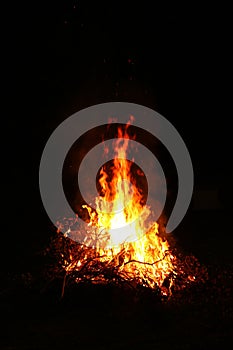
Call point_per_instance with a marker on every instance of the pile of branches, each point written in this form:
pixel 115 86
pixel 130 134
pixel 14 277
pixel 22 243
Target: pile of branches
pixel 65 254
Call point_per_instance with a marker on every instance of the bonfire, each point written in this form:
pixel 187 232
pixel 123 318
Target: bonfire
pixel 122 245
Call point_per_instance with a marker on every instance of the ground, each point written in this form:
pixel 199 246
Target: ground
pixel 110 318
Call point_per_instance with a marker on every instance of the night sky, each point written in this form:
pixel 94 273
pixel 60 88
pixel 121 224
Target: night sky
pixel 62 57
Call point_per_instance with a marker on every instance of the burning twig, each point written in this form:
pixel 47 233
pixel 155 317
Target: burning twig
pixel 147 263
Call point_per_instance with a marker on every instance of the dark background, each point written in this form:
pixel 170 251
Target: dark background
pixel 62 57
pixel 67 55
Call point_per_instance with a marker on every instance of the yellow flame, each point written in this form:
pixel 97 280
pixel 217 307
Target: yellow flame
pixel 145 255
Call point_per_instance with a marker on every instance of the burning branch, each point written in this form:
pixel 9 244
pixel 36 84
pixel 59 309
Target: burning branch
pixel 84 265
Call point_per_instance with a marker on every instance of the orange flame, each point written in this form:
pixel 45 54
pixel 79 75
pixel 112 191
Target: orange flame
pixel 122 232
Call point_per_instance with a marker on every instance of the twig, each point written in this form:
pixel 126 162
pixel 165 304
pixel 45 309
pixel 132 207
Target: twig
pixel 63 286
pixel 147 263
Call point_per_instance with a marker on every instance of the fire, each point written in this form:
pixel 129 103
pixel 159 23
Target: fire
pixel 120 216
pixel 124 237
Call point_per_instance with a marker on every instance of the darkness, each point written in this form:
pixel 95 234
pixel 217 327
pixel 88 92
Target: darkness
pixel 64 56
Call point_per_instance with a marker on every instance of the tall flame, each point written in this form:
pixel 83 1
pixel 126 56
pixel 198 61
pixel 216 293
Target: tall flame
pixel 120 223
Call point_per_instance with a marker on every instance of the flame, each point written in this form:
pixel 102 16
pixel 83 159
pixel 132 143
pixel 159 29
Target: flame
pixel 120 205
pixel 123 235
